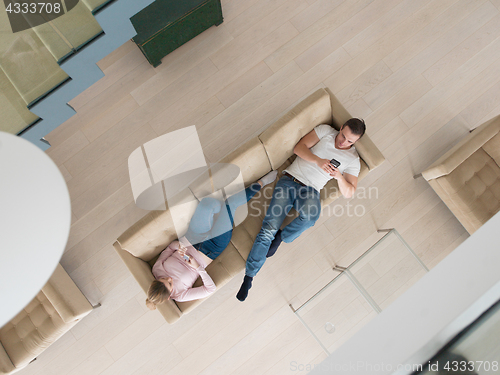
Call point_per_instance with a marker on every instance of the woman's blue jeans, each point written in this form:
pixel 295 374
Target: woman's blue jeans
pixel 287 194
pixel 213 242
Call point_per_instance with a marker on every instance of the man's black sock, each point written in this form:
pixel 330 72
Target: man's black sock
pixel 243 292
pixel 274 245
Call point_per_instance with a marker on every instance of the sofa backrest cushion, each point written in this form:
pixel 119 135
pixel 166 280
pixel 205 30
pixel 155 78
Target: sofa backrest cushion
pixel 149 236
pixel 32 331
pixel 463 149
pixel 281 137
pixel 251 158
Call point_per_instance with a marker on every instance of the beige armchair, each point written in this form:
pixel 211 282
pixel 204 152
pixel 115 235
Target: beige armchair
pixel 140 245
pixel 53 312
pixel 467 178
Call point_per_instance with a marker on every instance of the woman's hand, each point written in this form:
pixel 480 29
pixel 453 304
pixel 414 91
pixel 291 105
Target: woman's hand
pixel 325 165
pixel 192 262
pixel 182 249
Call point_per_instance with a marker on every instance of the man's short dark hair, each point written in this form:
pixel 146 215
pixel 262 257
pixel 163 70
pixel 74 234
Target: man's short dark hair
pixel 357 126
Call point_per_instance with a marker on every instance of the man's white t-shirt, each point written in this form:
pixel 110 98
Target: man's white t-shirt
pixel 312 175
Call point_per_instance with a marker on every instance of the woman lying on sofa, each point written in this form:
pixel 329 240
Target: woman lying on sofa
pixel 184 260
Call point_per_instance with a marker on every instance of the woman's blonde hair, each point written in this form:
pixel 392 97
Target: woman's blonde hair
pixel 157 293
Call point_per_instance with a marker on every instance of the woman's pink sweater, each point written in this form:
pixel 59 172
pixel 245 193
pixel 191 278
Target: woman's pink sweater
pixel 171 264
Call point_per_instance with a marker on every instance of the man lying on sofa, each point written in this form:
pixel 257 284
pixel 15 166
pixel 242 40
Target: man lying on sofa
pixel 324 153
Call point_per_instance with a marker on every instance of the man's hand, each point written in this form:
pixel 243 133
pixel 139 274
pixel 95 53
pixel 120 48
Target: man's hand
pixel 325 165
pixel 336 173
pixel 347 184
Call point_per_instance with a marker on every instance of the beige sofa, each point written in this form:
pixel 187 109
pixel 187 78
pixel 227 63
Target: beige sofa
pixel 467 178
pixel 53 312
pixel 141 244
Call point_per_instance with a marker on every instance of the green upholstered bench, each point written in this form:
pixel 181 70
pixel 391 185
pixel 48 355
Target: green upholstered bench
pixel 165 25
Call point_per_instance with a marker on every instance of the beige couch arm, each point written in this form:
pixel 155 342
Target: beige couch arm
pixel 463 150
pixel 6 365
pixel 64 295
pixel 365 147
pixel 370 154
pixel 142 273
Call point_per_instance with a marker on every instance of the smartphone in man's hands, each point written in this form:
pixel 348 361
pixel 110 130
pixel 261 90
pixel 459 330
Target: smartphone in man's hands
pixel 335 163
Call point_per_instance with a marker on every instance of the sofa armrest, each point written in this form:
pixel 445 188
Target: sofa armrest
pixel 365 147
pixel 463 150
pixel 143 275
pixel 370 154
pixel 64 295
pixel 6 365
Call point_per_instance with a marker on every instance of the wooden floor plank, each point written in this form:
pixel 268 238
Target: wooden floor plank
pixel 314 33
pixel 363 84
pixel 434 31
pixel 251 16
pixel 438 47
pixel 482 107
pixel 345 31
pixel 385 45
pixel 259 30
pixel 116 113
pixel 163 87
pixel 242 85
pixel 384 24
pixel 64 151
pixel 313 13
pixel 116 55
pixel 114 73
pixel 451 84
pixel 463 52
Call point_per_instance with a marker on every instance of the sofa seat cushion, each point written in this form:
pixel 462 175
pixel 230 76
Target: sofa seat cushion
pixel 474 188
pixel 32 331
pixel 221 270
pixel 244 234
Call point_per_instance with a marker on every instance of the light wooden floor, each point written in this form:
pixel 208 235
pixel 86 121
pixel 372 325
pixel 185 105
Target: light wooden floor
pixel 421 73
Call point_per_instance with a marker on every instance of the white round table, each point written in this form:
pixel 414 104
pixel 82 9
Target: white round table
pixel 35 218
